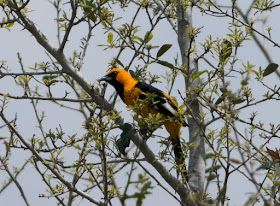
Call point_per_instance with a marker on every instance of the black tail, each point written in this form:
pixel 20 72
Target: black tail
pixel 180 159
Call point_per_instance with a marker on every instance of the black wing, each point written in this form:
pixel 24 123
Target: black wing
pixel 164 105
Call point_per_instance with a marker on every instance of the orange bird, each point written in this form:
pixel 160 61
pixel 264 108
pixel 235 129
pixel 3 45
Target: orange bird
pixel 130 90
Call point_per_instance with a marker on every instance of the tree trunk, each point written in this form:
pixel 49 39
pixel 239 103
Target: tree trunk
pixel 196 167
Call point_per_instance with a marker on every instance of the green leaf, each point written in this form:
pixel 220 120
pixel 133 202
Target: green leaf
pixel 138 38
pixel 124 141
pixel 237 101
pixel 146 186
pixel 88 7
pixel 148 37
pixel 163 49
pixel 50 80
pixel 85 6
pixel 166 64
pixel 236 161
pixel 197 74
pixel 212 169
pixel 270 69
pixel 269 176
pixel 10 25
pixel 220 99
pixel 104 23
pixel 120 63
pixel 132 73
pixel 7 146
pixel 265 166
pixel 211 177
pixel 210 156
pixel 226 50
pixel 244 82
pixel 110 37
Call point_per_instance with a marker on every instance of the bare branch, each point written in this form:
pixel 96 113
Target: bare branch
pixel 47 98
pixel 2 74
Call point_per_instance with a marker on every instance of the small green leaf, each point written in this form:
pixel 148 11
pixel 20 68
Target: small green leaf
pixel 237 101
pixel 124 141
pixel 148 37
pixel 110 37
pixel 50 80
pixel 7 146
pixel 211 177
pixel 236 161
pixel 138 38
pixel 226 50
pixel 104 23
pixel 197 74
pixel 146 186
pixel 269 176
pixel 214 168
pixel 166 64
pixel 132 73
pixel 10 25
pixel 210 156
pixel 265 166
pixel 88 7
pixel 41 144
pixel 85 6
pixel 270 69
pixel 244 82
pixel 120 63
pixel 163 49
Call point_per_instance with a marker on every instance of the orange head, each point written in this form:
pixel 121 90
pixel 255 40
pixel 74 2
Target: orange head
pixel 120 79
pixel 118 76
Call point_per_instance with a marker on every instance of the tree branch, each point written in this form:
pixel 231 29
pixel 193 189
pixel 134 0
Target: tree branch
pixel 47 98
pixel 70 25
pixel 2 74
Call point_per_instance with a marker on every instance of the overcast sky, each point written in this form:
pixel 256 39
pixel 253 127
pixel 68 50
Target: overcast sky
pixel 96 64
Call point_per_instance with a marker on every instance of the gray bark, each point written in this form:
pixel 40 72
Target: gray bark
pixel 196 168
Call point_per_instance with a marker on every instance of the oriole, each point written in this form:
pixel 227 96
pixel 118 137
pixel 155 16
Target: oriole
pixel 131 90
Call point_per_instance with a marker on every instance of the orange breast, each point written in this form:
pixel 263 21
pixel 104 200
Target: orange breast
pixel 131 95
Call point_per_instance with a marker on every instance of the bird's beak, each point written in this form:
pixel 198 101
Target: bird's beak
pixel 105 78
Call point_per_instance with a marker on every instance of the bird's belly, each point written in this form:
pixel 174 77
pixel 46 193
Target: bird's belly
pixel 130 98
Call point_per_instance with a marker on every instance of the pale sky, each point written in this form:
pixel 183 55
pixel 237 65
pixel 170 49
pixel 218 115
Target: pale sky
pixel 96 64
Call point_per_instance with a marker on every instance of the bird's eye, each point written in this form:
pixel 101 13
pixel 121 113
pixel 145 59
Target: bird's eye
pixel 114 74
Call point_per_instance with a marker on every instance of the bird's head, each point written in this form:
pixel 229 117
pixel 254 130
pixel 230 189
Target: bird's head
pixel 118 75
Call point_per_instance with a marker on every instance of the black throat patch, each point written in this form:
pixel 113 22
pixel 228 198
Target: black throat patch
pixel 119 88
